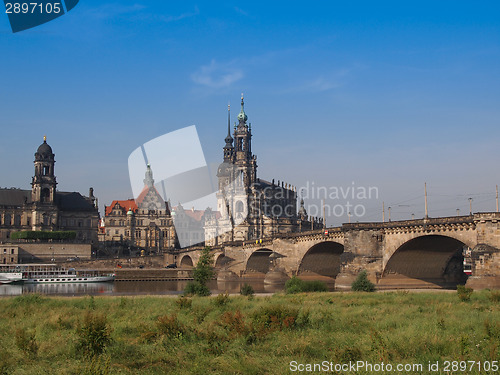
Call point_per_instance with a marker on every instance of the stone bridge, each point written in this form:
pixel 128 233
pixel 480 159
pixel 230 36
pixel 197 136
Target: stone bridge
pixel 424 253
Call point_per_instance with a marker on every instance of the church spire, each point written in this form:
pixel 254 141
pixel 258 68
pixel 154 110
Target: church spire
pixel 242 117
pixel 228 148
pixel 148 180
pixel 229 139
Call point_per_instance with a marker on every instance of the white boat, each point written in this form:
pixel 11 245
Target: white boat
pixel 52 274
pixel 10 274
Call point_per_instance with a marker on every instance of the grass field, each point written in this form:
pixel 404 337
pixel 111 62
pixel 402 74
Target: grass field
pixel 237 335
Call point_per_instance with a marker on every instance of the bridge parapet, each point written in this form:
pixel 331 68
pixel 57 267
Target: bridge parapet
pixel 426 222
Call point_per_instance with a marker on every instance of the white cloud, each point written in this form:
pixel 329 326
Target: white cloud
pixel 181 16
pixel 217 75
pixel 114 9
pixel 240 11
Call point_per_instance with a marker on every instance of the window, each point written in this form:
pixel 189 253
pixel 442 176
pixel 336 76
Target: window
pixel 5 251
pixel 116 231
pixel 17 220
pixel 239 206
pixel 7 219
pixel 12 251
pixel 45 196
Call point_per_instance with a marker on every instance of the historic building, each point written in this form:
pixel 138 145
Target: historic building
pixel 248 208
pixel 251 208
pixel 144 223
pixel 43 208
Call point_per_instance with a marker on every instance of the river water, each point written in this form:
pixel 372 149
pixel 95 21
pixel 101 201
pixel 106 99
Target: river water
pixel 123 288
pixel 120 288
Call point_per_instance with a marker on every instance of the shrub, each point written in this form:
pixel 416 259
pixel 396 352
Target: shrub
pixel 202 274
pixel 193 288
pixel 296 285
pixel 94 334
pixel 97 366
pixel 170 326
pixel 221 299
pixel 184 303
pixel 464 293
pixel 43 235
pixel 234 323
pixel 494 296
pixel 275 318
pixel 247 290
pixel 362 284
pixel 26 341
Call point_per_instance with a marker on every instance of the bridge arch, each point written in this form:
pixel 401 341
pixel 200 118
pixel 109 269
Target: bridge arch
pixel 259 261
pixel 221 260
pixel 186 261
pixel 322 258
pixel 427 261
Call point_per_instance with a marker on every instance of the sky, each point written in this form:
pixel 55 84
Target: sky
pixel 388 95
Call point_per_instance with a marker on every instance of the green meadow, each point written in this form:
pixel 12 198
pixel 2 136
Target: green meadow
pixel 244 335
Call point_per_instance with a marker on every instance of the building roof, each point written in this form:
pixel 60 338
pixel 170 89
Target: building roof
pixel 44 149
pixel 65 201
pixel 73 201
pixel 14 197
pixel 145 192
pixel 126 205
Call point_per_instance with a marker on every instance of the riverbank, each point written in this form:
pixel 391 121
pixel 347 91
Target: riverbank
pixel 223 335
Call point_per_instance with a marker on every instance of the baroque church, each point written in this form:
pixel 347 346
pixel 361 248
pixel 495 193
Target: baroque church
pixel 251 208
pixel 43 208
pixel 248 208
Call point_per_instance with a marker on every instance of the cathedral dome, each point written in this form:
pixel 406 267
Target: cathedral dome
pixel 224 170
pixel 242 116
pixel 44 150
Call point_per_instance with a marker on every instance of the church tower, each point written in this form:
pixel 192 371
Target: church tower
pixel 228 148
pixel 245 162
pixel 43 184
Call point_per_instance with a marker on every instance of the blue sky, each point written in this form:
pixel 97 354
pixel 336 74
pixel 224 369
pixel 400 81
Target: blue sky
pixel 385 94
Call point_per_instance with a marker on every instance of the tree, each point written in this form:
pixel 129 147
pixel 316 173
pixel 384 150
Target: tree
pixel 202 274
pixel 362 284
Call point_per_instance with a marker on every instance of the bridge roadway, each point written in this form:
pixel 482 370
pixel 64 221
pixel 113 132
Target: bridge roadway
pixel 422 253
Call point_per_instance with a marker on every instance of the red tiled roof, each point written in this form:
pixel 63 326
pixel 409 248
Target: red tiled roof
pixel 145 192
pixel 129 204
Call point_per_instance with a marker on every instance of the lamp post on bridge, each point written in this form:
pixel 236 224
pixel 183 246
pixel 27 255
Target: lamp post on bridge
pixel 458 211
pixel 470 205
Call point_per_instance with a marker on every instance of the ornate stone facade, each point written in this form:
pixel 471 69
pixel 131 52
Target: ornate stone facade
pixel 251 208
pixel 43 208
pixel 141 224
